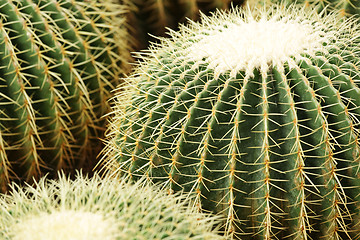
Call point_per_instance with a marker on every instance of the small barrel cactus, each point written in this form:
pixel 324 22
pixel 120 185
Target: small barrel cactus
pixel 58 62
pixel 95 208
pixel 254 113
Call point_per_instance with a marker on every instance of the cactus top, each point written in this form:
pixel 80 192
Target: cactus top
pixel 99 208
pixel 258 40
pixel 65 224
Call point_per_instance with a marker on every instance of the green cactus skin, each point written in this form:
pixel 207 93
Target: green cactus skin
pixel 95 208
pixel 58 62
pixel 341 7
pixel 152 17
pixel 257 115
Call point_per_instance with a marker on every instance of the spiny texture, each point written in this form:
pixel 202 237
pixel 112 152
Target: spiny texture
pixel 343 8
pixel 257 117
pixel 58 62
pixel 93 209
pixel 154 16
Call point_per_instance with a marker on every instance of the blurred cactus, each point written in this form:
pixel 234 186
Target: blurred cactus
pixel 254 113
pixel 95 208
pixel 152 17
pixel 58 62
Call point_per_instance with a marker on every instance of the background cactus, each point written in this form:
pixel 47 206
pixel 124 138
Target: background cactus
pixel 97 208
pixel 149 18
pixel 58 62
pixel 257 115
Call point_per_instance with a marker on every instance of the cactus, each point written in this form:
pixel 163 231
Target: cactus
pixel 254 113
pixel 343 8
pixel 95 208
pixel 58 62
pixel 154 16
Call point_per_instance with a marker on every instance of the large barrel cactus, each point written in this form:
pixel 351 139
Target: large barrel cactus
pixel 95 208
pixel 257 115
pixel 58 62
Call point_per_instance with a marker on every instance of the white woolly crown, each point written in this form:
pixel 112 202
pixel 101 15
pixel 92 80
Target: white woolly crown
pixel 257 44
pixel 65 224
pixel 245 40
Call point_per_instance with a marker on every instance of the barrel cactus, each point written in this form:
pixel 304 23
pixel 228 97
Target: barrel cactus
pixel 58 62
pixel 95 208
pixel 254 113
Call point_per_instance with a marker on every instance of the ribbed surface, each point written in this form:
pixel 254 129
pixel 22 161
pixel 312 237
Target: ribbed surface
pixel 58 61
pixel 276 153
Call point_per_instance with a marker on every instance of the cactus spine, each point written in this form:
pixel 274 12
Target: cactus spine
pixel 97 208
pixel 58 61
pixel 257 115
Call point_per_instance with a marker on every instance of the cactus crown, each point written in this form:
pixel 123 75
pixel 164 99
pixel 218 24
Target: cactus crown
pixel 265 133
pixel 95 208
pixel 243 44
pixel 65 224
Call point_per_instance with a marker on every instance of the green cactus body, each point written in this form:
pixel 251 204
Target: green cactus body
pixel 256 115
pixel 98 208
pixel 58 62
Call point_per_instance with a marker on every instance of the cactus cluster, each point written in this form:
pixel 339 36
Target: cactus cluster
pixel 93 209
pixel 256 114
pixel 58 62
